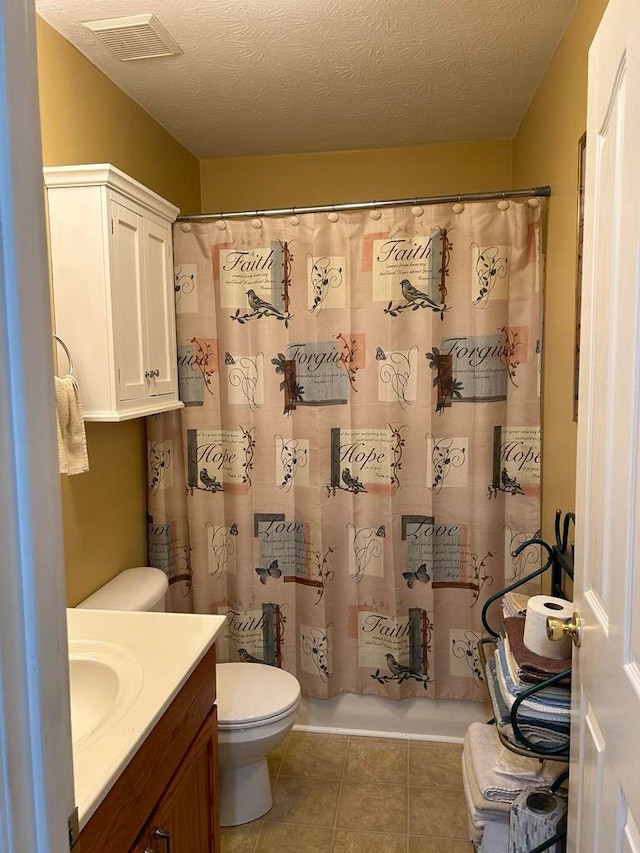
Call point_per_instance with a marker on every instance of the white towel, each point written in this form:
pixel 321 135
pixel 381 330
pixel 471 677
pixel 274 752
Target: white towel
pixel 72 441
pixel 480 808
pixel 495 838
pixel 515 766
pixel 485 751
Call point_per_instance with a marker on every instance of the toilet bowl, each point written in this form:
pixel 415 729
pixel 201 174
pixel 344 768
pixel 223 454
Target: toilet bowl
pixel 257 706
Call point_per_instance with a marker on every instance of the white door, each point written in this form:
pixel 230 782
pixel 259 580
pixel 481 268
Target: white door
pixel 127 294
pixel 160 304
pixel 36 773
pixel 604 811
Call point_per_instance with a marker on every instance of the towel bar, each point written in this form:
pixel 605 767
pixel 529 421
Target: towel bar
pixel 67 353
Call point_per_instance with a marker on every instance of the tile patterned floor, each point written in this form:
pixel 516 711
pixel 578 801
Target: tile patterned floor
pixel 336 794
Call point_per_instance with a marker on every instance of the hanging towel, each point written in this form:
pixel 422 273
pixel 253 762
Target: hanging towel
pixel 72 441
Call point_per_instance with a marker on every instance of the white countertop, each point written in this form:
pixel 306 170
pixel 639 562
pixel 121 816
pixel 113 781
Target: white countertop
pixel 159 651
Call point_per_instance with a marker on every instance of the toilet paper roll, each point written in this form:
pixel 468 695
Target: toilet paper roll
pixel 535 626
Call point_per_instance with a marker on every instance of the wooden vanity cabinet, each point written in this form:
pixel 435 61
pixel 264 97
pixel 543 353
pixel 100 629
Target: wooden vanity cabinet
pixel 185 819
pixel 170 784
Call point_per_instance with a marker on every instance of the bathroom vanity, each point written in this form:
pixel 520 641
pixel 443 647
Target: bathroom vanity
pixel 143 691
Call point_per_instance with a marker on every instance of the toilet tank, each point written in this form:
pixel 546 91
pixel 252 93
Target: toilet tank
pixel 142 588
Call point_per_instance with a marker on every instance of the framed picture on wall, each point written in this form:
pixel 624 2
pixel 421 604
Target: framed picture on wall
pixel 582 149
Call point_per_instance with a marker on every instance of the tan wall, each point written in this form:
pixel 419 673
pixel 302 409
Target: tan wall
pixel 87 119
pixel 546 151
pixel 245 183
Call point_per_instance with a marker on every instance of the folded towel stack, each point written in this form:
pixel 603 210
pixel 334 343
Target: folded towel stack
pixel 514 604
pixel 542 717
pixel 547 736
pixel 531 668
pixel 493 779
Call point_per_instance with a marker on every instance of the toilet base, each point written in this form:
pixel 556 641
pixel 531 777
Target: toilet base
pixel 245 793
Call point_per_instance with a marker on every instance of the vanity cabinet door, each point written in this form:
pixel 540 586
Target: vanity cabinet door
pixel 185 820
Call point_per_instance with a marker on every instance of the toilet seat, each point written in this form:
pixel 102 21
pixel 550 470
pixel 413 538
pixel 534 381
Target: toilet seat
pixel 253 694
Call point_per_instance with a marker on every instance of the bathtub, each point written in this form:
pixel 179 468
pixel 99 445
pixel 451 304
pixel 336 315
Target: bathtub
pixel 444 720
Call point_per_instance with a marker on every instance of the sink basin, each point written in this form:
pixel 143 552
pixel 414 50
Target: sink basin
pixel 104 681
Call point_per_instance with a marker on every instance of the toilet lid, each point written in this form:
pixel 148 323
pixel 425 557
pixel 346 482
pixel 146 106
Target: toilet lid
pixel 250 692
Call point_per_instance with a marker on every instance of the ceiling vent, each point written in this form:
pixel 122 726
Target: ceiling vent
pixel 134 37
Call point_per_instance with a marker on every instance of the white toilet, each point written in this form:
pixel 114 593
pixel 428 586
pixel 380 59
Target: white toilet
pixel 257 704
pixel 142 588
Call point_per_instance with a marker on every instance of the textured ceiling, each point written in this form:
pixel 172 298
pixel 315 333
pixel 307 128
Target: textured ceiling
pixel 283 76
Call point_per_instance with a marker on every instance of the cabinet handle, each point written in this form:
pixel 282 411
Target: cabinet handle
pixel 165 836
pixel 151 373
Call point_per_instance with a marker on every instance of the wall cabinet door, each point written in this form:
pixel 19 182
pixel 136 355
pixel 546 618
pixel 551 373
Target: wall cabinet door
pixel 161 344
pixel 128 305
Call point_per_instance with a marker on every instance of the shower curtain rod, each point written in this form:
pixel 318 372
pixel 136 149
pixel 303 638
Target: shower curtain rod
pixel 372 205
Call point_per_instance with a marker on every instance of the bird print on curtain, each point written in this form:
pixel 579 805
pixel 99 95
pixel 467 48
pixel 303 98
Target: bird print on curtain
pixel 360 441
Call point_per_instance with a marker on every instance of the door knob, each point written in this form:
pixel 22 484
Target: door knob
pixel 558 629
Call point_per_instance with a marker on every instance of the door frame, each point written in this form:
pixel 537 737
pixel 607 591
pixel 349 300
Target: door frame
pixel 36 772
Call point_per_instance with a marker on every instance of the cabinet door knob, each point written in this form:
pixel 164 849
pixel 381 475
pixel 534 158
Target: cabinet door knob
pixel 165 836
pixel 151 373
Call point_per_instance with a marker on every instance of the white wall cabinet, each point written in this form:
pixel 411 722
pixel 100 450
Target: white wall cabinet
pixel 112 267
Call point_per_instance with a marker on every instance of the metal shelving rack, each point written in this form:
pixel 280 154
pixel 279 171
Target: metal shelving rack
pixel 560 564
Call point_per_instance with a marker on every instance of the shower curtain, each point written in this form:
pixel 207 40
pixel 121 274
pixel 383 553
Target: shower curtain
pixel 359 451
